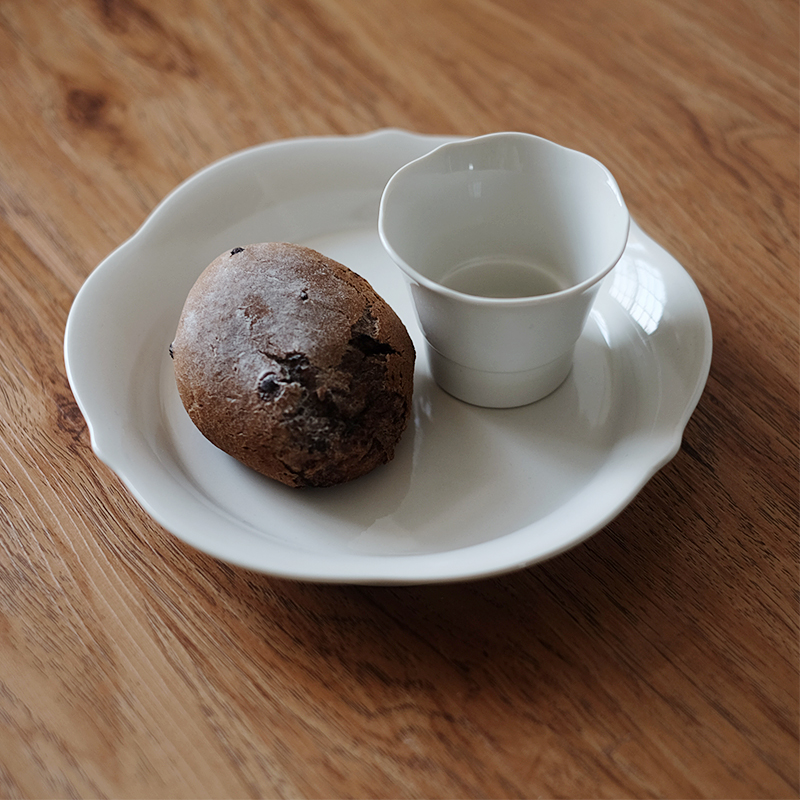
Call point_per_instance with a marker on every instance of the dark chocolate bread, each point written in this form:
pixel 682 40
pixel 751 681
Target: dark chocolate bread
pixel 291 363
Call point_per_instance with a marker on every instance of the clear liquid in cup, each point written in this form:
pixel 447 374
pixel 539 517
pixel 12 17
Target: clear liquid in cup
pixel 499 278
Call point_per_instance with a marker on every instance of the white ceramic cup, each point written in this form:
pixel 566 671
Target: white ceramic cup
pixel 504 240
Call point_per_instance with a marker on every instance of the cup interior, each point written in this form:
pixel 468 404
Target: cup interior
pixel 540 217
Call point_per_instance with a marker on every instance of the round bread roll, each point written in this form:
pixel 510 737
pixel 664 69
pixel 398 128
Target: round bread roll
pixel 294 365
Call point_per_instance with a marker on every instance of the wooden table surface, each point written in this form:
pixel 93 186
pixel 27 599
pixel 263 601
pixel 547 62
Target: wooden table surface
pixel 658 659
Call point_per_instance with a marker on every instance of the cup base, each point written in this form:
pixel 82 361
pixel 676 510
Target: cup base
pixel 498 389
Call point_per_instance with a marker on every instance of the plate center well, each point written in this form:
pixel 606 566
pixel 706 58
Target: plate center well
pixel 462 475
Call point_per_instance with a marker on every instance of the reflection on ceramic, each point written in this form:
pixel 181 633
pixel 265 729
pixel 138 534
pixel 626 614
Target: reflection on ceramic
pixel 504 239
pixel 472 491
pixel 639 288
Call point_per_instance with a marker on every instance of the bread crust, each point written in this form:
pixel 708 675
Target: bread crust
pixel 294 365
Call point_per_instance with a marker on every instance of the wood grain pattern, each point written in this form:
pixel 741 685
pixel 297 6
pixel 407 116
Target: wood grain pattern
pixel 659 659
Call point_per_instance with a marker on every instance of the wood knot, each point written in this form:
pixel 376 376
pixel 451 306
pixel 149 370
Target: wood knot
pixel 86 108
pixel 69 419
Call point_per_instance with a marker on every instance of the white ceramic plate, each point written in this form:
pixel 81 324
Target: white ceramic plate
pixel 471 492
